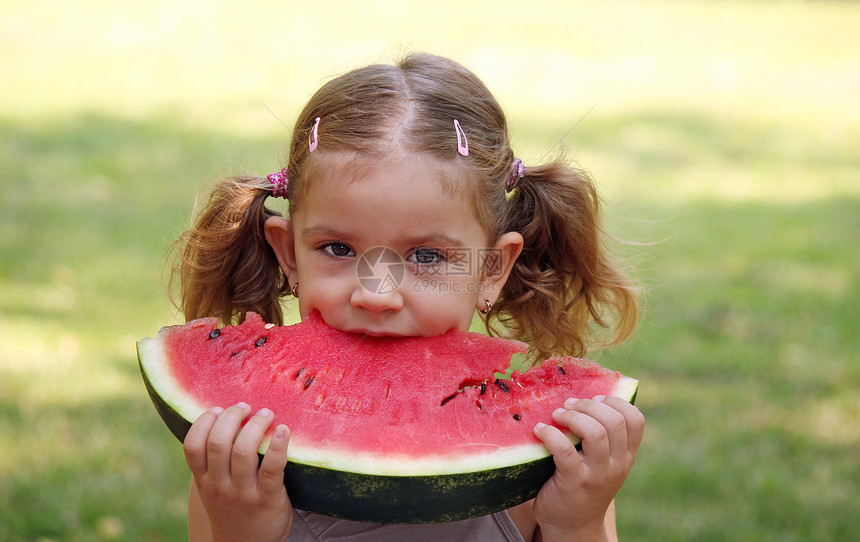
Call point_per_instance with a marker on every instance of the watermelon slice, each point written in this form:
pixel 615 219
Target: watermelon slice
pixel 391 430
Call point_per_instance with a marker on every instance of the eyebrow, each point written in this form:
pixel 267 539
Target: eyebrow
pixel 436 239
pixel 324 231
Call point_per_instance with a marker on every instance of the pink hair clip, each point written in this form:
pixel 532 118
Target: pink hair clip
pixel 518 169
pixel 313 137
pixel 280 184
pixel 462 142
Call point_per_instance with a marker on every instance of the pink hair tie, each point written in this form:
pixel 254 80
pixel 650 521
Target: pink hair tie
pixel 280 184
pixel 517 172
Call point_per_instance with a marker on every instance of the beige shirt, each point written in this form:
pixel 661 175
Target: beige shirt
pixel 310 527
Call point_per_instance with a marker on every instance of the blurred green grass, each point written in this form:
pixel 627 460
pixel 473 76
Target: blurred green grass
pixel 724 136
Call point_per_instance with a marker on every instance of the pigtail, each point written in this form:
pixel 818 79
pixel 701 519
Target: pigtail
pixel 225 266
pixel 565 281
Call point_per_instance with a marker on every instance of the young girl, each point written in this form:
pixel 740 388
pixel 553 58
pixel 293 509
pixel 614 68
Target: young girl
pixel 413 159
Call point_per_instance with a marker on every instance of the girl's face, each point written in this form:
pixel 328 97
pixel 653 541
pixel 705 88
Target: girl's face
pixel 388 248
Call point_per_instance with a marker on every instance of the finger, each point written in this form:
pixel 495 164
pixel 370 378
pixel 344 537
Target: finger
pixel 633 419
pixel 613 422
pixel 582 423
pixel 271 479
pixel 194 444
pixel 243 458
pixel 221 437
pixel 565 455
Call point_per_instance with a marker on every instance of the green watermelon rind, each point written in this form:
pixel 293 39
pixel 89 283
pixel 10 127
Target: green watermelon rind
pixel 379 490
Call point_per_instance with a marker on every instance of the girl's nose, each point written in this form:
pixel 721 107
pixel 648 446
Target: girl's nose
pixel 383 299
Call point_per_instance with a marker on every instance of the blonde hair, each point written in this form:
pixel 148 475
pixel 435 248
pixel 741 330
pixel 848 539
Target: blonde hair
pixel 562 284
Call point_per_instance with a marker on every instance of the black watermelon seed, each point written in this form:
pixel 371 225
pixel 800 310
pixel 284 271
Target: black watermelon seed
pixel 299 372
pixel 445 400
pixel 560 368
pixel 260 342
pixel 518 417
pixel 215 333
pixel 483 388
pixel 504 387
pixel 497 382
pixel 308 383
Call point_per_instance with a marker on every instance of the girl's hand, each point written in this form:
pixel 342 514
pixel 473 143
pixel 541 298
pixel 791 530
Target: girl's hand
pixel 242 501
pixel 575 499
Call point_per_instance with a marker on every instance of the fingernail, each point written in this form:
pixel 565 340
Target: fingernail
pixel 599 398
pixel 539 426
pixel 280 431
pixel 243 405
pixel 570 402
pixel 216 410
pixel 559 411
pixel 264 412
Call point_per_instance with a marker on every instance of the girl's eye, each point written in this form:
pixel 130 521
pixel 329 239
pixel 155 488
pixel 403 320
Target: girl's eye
pixel 427 256
pixel 338 249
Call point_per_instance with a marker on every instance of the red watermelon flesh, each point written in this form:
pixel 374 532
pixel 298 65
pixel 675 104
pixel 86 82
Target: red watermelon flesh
pixel 380 405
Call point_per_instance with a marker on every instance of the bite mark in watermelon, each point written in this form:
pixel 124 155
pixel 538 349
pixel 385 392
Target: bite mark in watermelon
pixel 393 430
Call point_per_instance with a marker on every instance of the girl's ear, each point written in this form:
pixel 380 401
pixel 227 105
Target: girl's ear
pixel 279 235
pixel 497 266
